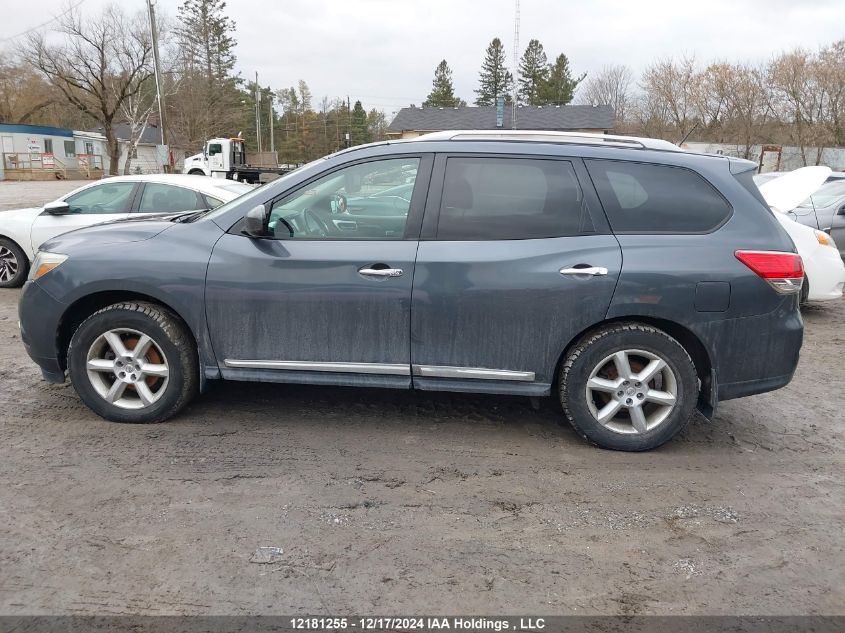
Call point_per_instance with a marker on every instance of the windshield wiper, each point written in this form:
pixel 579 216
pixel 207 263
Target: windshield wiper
pixel 190 217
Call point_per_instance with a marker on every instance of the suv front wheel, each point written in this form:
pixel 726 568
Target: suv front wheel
pixel 134 362
pixel 628 387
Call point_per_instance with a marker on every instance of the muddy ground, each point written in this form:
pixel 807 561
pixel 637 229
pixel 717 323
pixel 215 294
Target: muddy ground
pixel 394 502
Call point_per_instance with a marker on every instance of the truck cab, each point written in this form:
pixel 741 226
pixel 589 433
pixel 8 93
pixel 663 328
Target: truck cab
pixel 220 158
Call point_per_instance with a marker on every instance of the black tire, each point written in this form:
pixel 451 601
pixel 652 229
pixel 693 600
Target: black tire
pixel 595 347
pixel 169 334
pixel 805 291
pixel 15 257
pixel 196 172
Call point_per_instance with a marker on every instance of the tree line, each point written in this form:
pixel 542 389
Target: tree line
pixel 95 71
pixel 538 82
pixel 795 98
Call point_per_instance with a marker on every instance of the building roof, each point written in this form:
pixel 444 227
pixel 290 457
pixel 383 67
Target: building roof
pixel 568 117
pixel 150 135
pixel 44 130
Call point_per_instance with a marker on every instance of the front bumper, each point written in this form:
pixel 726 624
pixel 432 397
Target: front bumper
pixel 39 316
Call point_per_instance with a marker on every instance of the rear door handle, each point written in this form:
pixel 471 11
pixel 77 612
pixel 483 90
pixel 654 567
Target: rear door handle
pixel 590 270
pixel 381 272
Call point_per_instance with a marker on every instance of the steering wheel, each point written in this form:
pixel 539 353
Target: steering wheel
pixel 314 223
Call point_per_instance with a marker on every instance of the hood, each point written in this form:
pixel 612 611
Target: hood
pixel 114 232
pixel 786 192
pixel 20 214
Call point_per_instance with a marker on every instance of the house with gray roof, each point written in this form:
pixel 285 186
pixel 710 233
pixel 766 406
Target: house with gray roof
pixel 411 122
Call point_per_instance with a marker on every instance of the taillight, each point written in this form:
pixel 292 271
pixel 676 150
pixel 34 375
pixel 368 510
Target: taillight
pixel 783 271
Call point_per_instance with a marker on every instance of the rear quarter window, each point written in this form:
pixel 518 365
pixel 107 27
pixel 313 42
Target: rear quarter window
pixel 647 198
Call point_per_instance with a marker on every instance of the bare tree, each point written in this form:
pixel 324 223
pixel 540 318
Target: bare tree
pixel 610 86
pixel 100 64
pixel 830 77
pixel 23 93
pixel 798 99
pixel 667 105
pixel 748 106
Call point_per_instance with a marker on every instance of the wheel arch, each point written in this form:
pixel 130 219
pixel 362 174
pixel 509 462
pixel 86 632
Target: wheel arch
pixel 690 341
pixel 85 306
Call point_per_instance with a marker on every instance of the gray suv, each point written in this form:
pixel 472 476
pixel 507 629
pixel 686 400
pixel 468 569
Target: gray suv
pixel 629 280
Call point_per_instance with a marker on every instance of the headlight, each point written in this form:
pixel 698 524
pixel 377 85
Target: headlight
pixel 44 263
pixel 824 239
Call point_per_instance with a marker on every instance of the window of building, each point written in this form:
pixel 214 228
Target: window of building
pixel 646 198
pixel 70 148
pixel 511 198
pixel 48 146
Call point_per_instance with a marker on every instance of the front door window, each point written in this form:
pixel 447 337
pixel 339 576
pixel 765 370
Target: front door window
pixel 368 201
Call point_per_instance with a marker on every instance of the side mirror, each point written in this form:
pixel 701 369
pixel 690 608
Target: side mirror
pixel 59 207
pixel 841 210
pixel 255 222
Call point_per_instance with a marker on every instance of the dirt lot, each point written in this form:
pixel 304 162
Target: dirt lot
pixel 16 195
pixel 416 503
pixel 393 502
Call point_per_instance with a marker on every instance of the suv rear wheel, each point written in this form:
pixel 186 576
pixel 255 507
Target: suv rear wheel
pixel 134 362
pixel 628 387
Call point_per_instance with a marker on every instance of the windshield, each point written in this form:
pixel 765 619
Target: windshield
pixel 826 195
pixel 258 193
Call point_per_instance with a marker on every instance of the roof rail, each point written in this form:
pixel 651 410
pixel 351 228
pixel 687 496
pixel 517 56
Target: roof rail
pixel 546 136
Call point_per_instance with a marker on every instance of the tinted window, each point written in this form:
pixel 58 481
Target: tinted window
pixel 109 197
pixel 159 198
pixel 643 198
pixel 368 201
pixel 510 198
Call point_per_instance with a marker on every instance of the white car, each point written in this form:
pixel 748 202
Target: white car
pixel 22 231
pixel 824 271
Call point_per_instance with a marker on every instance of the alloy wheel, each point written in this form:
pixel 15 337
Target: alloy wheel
pixel 632 391
pixel 8 264
pixel 127 368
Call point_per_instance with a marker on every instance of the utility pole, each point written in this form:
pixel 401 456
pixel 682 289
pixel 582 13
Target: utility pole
pixel 157 68
pixel 272 139
pixel 348 121
pixel 257 113
pixel 515 63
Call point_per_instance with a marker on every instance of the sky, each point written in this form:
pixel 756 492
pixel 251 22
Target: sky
pixel 384 52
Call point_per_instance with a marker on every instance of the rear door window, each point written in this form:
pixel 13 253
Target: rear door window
pixel 511 198
pixel 158 198
pixel 647 198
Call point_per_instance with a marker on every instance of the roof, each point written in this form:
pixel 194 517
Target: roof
pixel 219 187
pixel 150 135
pixel 550 136
pixel 44 130
pixel 568 117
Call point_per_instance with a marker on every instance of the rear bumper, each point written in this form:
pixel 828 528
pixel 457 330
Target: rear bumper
pixel 731 390
pixel 39 315
pixel 758 354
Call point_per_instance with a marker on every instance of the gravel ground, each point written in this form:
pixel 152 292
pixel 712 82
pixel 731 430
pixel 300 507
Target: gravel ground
pixel 16 195
pixel 406 502
pixel 415 503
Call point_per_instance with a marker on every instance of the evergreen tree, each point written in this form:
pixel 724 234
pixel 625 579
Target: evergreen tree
pixel 207 103
pixel 442 91
pixel 533 72
pixel 559 87
pixel 359 133
pixel 494 80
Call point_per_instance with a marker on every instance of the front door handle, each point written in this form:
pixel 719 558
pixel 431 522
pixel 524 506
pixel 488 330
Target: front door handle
pixel 589 270
pixel 381 272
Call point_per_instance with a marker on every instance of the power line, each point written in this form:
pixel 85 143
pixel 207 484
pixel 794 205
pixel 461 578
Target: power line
pixel 43 24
